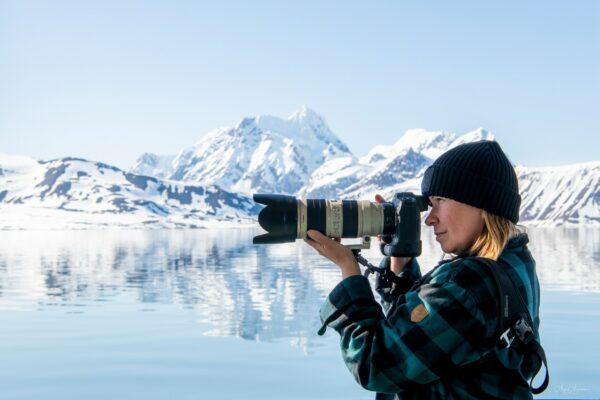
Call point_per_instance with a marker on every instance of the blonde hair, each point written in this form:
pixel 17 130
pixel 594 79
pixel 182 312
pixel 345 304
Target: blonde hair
pixel 496 233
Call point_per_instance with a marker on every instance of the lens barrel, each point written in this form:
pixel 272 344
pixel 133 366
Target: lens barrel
pixel 286 218
pixel 279 218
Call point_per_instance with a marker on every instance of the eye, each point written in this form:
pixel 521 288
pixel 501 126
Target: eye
pixel 436 200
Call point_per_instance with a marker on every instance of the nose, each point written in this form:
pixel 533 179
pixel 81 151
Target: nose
pixel 431 219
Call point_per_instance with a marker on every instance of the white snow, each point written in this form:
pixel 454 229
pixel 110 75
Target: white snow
pixel 298 156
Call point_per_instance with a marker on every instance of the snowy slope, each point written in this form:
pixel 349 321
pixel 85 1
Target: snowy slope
pixel 394 171
pixel 430 144
pixel 153 165
pixel 212 180
pixel 554 196
pixel 386 168
pixel 566 195
pixel 261 154
pixel 333 177
pixel 94 193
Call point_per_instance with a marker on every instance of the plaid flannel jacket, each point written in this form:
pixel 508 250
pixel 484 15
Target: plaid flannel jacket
pixel 440 339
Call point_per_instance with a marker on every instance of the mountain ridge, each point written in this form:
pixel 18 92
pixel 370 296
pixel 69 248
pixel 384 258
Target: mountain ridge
pixel 95 189
pixel 298 156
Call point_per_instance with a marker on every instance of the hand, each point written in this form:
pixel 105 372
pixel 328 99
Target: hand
pixel 397 264
pixel 335 251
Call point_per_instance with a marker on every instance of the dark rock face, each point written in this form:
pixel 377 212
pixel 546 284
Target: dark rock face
pixel 62 189
pixel 52 174
pixel 139 181
pixel 184 197
pixel 400 169
pixel 122 205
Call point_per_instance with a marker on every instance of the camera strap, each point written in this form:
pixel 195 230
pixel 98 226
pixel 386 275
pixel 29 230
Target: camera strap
pixel 516 328
pixel 386 277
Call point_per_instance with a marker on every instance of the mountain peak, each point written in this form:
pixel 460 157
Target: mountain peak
pixel 246 122
pixel 305 115
pixel 429 143
pixel 262 153
pixel 473 136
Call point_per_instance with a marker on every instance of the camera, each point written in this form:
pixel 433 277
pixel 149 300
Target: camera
pixel 286 219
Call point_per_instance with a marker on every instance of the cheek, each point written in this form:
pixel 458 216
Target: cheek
pixel 463 229
pixel 472 229
pixel 452 222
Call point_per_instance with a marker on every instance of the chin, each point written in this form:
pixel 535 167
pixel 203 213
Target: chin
pixel 445 248
pixel 450 250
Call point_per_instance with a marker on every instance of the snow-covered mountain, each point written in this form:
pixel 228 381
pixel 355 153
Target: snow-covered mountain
pixel 74 192
pixel 386 168
pixel 213 179
pixel 430 144
pixel 260 154
pixel 302 157
pixel 153 165
pixel 564 195
pixel 329 180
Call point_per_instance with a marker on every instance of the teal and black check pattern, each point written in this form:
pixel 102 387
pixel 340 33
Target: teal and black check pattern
pixel 452 352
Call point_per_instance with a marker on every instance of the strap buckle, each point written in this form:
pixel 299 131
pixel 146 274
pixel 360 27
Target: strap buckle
pixel 523 330
pixel 519 330
pixel 507 338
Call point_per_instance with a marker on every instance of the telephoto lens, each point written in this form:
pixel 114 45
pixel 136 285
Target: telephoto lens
pixel 286 218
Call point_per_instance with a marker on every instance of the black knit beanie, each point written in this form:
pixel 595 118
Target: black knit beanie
pixel 478 174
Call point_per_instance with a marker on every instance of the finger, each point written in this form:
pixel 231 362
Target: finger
pixel 379 198
pixel 316 236
pixel 318 248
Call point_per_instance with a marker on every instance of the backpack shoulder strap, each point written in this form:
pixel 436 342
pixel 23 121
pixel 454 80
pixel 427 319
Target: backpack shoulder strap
pixel 515 323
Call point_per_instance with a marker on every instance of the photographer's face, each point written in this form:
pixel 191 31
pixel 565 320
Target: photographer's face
pixel 456 225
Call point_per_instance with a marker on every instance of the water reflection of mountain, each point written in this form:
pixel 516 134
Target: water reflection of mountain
pixel 254 292
pixel 567 258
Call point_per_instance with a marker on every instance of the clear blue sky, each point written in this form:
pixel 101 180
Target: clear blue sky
pixel 108 80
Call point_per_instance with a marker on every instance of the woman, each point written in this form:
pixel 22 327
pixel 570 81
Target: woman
pixel 440 339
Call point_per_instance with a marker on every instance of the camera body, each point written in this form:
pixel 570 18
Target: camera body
pixel 286 219
pixel 406 239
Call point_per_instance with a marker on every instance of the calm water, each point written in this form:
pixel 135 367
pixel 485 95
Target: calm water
pixel 206 315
